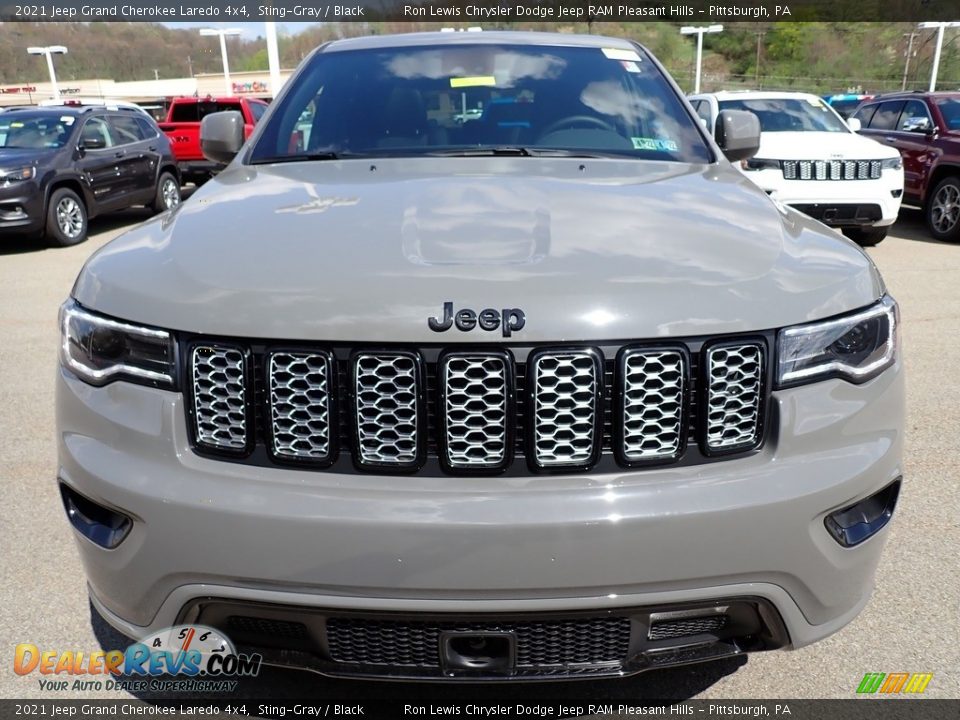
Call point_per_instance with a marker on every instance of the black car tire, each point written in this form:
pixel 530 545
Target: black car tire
pixel 942 212
pixel 866 236
pixel 66 218
pixel 168 193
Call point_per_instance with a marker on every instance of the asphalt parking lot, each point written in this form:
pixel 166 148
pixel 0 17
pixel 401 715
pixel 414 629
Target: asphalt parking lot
pixel 911 625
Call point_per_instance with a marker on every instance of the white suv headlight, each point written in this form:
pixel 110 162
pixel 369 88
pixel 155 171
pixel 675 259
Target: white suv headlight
pixel 855 347
pixel 99 350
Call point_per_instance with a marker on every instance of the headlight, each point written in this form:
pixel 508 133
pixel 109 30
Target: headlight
pixel 760 164
pixel 855 347
pixel 892 164
pixel 17 174
pixel 100 350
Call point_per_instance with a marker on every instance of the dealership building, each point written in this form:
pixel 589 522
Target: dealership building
pixel 151 94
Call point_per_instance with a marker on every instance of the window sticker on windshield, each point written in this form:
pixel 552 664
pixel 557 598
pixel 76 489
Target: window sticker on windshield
pixel 16 124
pixel 66 120
pixel 630 66
pixel 618 54
pixel 660 144
pixel 476 81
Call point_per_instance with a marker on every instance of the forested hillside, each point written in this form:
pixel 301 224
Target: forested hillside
pixel 812 56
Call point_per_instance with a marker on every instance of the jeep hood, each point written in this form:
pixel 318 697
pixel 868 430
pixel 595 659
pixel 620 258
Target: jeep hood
pixel 822 146
pixel 369 250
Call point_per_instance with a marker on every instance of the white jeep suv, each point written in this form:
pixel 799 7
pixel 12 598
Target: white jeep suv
pixel 812 160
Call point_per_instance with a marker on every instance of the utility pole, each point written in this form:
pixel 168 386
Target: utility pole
pixel 939 27
pixel 906 65
pixel 699 31
pixel 760 34
pixel 190 65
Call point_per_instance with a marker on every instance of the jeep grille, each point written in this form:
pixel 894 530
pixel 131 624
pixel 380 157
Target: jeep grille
pixel 438 412
pixel 831 169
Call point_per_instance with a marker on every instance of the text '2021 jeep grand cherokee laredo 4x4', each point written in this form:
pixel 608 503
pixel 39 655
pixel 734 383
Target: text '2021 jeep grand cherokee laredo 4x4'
pixel 543 388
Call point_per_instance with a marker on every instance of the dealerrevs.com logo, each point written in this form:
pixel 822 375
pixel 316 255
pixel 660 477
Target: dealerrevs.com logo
pixel 181 658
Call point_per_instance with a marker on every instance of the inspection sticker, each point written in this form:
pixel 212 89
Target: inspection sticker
pixel 618 54
pixel 630 66
pixel 476 81
pixel 660 144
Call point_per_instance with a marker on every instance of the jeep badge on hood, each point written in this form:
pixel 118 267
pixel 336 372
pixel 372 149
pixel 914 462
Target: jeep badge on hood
pixel 510 319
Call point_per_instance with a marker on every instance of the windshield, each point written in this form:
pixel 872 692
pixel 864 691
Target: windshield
pixel 449 99
pixel 30 131
pixel 790 114
pixel 950 109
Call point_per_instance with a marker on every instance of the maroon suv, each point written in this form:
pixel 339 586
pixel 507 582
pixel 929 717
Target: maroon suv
pixel 925 128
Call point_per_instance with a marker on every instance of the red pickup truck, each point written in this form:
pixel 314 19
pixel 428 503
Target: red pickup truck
pixel 182 126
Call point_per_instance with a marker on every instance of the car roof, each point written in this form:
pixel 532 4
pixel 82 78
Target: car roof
pixel 916 94
pixel 496 37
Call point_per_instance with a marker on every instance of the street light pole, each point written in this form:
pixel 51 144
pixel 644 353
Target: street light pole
pixel 940 27
pixel 906 65
pixel 49 51
pixel 209 32
pixel 699 32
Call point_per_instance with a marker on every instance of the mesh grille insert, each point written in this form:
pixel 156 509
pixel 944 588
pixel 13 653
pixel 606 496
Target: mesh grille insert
pixel 265 626
pixel 300 405
pixel 565 392
pixel 734 393
pixel 475 409
pixel 219 396
pixel 654 387
pixel 669 629
pixel 590 641
pixel 387 387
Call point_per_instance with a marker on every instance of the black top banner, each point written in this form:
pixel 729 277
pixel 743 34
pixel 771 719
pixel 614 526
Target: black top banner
pixel 501 12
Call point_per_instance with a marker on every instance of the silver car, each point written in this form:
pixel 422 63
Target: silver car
pixel 553 391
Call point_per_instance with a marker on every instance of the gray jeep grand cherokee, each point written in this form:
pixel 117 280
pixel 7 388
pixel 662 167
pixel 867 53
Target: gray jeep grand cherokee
pixel 481 361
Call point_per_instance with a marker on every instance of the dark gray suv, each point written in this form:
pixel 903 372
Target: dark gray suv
pixel 61 166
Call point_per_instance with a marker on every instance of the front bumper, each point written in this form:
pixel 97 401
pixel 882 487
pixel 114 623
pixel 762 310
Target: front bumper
pixel 838 203
pixel 632 541
pixel 21 208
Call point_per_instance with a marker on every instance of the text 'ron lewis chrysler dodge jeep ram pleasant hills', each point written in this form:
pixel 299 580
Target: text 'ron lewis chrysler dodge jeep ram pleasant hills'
pixel 480 360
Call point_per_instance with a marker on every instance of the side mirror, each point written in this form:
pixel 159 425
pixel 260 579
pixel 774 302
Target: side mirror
pixel 221 136
pixel 738 134
pixel 94 142
pixel 917 125
pixel 854 124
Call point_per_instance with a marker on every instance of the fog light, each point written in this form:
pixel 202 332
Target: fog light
pixel 854 524
pixel 98 524
pixel 896 193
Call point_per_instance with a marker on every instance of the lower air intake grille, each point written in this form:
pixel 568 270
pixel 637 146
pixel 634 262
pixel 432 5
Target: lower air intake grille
pixel 591 641
pixel 219 396
pixel 267 628
pixel 670 629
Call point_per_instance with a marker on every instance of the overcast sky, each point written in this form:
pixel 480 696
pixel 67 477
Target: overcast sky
pixel 250 29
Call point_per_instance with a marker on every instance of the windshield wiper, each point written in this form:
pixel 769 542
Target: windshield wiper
pixel 513 151
pixel 307 156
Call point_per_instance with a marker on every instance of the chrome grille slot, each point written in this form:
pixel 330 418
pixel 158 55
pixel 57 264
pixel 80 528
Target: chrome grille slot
pixel 219 397
pixel 653 392
pixel 387 387
pixel 476 408
pixel 734 394
pixel 566 391
pixel 300 405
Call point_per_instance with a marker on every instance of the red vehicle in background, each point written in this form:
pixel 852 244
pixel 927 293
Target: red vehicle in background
pixel 182 126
